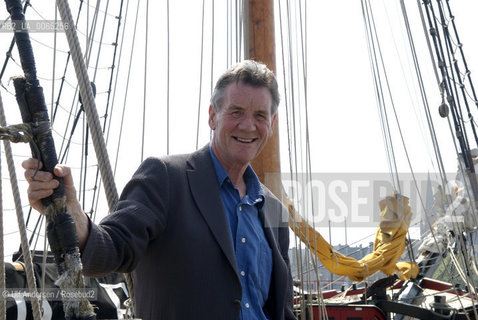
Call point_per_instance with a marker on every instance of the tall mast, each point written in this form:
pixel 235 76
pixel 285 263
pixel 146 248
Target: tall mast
pixel 260 46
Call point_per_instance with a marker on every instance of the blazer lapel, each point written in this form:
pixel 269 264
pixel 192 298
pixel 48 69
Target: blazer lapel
pixel 206 193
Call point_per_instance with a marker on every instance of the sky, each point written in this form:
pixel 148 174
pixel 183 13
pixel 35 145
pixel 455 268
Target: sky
pixel 344 133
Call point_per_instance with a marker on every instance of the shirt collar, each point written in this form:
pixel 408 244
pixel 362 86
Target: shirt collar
pixel 254 188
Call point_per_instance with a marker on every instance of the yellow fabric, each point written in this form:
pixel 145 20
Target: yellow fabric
pixel 389 244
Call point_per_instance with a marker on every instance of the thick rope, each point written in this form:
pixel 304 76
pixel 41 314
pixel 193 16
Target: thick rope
pixel 21 223
pixel 92 117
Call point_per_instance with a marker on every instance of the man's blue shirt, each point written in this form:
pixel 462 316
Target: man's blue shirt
pixel 253 254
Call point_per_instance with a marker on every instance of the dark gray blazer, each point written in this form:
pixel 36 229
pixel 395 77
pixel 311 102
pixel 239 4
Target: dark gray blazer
pixel 170 229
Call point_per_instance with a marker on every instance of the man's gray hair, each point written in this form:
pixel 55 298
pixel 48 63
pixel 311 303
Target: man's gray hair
pixel 251 73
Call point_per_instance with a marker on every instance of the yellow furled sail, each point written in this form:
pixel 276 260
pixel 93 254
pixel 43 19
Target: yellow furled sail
pixel 395 216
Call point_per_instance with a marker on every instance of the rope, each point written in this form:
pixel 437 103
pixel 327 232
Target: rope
pixel 168 74
pixel 127 84
pixel 97 186
pixel 111 97
pixel 379 96
pixel 93 119
pixel 21 223
pixel 89 104
pixel 145 79
pixel 200 75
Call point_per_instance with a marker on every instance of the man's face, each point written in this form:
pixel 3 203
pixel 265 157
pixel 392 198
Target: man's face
pixel 242 125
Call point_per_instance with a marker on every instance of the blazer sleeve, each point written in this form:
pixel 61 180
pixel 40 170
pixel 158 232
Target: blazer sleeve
pixel 121 239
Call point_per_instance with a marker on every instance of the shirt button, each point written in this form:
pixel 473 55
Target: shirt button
pixel 247 305
pixel 243 273
pixel 240 208
pixel 243 240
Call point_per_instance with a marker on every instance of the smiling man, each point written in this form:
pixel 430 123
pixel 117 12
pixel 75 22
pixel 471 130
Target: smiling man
pixel 202 236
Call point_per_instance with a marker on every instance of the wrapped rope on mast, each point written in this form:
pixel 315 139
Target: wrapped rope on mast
pixel 60 225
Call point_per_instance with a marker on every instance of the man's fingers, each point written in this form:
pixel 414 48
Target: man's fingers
pixel 31 163
pixel 43 185
pixel 30 175
pixel 65 173
pixel 37 195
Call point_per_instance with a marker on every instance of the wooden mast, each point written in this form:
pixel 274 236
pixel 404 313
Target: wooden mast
pixel 260 46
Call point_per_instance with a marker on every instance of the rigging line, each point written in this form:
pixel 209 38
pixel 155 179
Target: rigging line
pixel 212 46
pixel 200 75
pixel 145 84
pixel 460 47
pixel 238 27
pixel 167 76
pixel 427 38
pixel 386 125
pixel 445 84
pixel 298 244
pixel 409 71
pixel 86 26
pixel 239 30
pixel 12 43
pixel 74 105
pixel 117 77
pixel 46 45
pixel 91 35
pixel 469 281
pixel 65 70
pixel 379 92
pixel 292 134
pixel 378 88
pixel 36 235
pixel 228 33
pixel 108 100
pixel 460 131
pixel 90 107
pixel 34 231
pixel 88 38
pixel 423 94
pixel 44 260
pixel 464 278
pixel 400 132
pixel 54 62
pixel 63 80
pixel 410 249
pixel 298 29
pixel 292 94
pixel 303 37
pixel 127 87
pixel 83 162
pixel 101 11
pixel 20 220
pixel 100 46
pixel 454 62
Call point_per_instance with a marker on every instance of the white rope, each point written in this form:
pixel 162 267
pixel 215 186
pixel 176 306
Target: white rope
pixel 21 223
